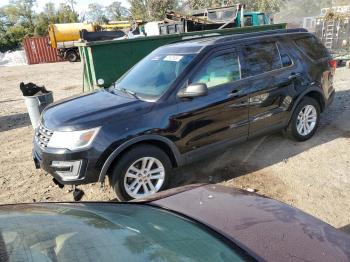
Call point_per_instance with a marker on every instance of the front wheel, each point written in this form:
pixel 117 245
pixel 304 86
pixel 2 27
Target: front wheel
pixel 141 172
pixel 305 120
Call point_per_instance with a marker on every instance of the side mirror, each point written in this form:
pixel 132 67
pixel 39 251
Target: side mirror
pixel 193 90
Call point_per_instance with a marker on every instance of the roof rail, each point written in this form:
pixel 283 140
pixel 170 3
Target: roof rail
pixel 225 38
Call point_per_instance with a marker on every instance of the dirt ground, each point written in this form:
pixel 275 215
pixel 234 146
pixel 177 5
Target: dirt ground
pixel 313 176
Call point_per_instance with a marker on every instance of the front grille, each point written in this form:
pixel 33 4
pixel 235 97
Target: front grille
pixel 43 135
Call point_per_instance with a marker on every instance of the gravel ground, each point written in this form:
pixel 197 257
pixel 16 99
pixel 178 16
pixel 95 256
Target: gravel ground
pixel 313 176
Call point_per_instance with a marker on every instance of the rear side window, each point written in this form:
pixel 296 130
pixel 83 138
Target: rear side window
pixel 219 70
pixel 311 47
pixel 260 58
pixel 285 57
pixel 286 60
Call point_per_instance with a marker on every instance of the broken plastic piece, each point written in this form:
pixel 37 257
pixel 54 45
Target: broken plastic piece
pixel 57 183
pixel 78 194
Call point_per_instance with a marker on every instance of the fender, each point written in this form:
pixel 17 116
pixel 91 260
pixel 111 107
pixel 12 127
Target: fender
pixel 178 157
pixel 313 88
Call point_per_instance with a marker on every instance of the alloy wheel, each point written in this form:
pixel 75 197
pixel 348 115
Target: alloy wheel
pixel 307 119
pixel 144 177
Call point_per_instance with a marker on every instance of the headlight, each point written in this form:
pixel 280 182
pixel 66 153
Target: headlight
pixel 73 140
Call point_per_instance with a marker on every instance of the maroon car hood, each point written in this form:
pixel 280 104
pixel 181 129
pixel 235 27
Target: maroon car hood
pixel 269 230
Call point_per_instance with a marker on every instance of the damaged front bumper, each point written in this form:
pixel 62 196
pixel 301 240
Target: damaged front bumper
pixel 67 167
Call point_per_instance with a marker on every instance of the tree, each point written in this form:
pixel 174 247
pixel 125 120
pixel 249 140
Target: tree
pixel 42 20
pixel 96 13
pixel 140 9
pixel 158 8
pixel 50 12
pixel 254 5
pixel 16 22
pixel 294 11
pixel 115 11
pixel 202 4
pixel 21 12
pixel 151 9
pixel 66 14
pixel 18 19
pixel 71 3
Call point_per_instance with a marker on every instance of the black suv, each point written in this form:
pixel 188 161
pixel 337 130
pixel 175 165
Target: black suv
pixel 183 101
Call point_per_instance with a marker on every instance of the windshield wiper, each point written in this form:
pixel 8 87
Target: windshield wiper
pixel 124 90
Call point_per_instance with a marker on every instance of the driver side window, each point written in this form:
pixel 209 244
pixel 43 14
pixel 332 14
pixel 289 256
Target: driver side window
pixel 219 70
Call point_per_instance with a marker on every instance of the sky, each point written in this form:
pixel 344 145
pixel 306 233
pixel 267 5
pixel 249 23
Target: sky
pixel 82 5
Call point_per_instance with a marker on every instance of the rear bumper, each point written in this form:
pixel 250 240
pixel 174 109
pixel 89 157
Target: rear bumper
pixel 86 172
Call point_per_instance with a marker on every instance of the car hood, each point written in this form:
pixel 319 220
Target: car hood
pixel 266 228
pixel 91 110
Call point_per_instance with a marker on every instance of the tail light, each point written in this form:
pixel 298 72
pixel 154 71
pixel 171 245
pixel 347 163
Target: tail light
pixel 333 64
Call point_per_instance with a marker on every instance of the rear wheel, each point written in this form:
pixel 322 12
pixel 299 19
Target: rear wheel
pixel 141 172
pixel 305 120
pixel 72 56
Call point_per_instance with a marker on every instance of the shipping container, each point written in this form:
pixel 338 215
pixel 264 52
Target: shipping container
pixel 39 51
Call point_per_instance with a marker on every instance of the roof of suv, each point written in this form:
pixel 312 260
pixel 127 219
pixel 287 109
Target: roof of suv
pixel 221 39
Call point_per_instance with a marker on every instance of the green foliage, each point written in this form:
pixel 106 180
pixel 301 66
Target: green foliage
pixel 66 14
pixel 268 6
pixel 18 20
pixel 12 37
pixel 21 12
pixel 159 7
pixel 97 13
pixel 295 10
pixel 115 11
pixel 202 4
pixel 254 5
pixel 102 14
pixel 140 9
pixel 151 9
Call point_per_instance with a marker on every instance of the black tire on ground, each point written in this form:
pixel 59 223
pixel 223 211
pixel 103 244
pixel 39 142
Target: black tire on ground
pixel 291 131
pixel 72 56
pixel 116 179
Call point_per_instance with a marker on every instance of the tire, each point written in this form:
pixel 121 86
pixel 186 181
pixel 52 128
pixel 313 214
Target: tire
pixel 305 133
pixel 72 56
pixel 130 164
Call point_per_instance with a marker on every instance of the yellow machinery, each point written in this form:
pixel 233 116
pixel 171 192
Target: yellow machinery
pixel 68 32
pixel 63 36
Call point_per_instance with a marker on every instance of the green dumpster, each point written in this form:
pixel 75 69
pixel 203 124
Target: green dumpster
pixel 105 61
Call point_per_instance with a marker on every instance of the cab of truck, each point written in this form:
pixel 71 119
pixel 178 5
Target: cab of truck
pixel 254 19
pixel 223 15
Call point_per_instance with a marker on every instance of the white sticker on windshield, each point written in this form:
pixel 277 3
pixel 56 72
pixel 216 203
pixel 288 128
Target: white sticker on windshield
pixel 173 58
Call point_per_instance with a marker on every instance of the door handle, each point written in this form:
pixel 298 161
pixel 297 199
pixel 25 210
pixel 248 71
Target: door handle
pixel 234 93
pixel 294 75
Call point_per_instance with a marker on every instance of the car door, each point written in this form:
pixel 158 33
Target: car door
pixel 271 81
pixel 210 121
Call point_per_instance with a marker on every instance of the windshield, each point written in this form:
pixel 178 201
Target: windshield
pixel 153 75
pixel 106 232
